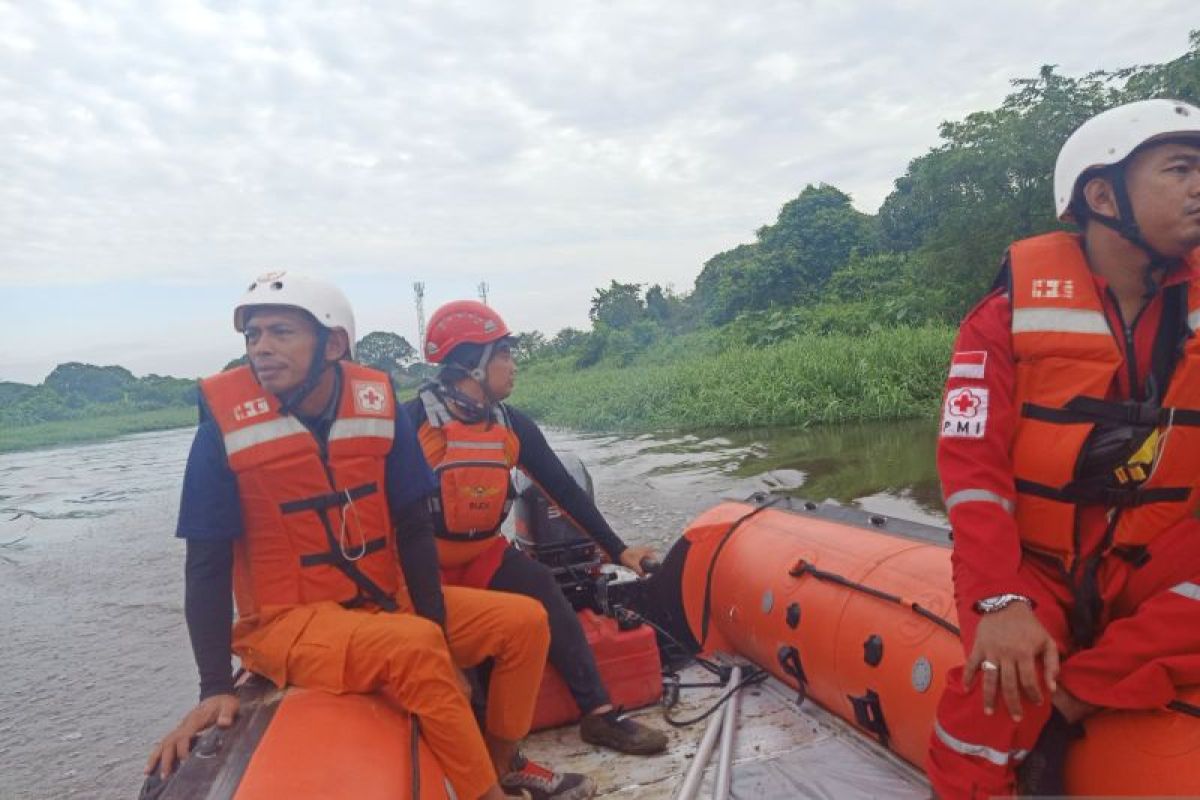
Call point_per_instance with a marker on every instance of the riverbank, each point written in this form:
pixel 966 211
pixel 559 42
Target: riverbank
pixel 809 380
pixel 91 429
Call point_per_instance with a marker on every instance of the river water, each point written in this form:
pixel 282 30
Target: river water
pixel 95 664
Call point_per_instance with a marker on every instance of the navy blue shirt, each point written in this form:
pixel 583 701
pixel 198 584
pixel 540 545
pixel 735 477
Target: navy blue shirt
pixel 210 508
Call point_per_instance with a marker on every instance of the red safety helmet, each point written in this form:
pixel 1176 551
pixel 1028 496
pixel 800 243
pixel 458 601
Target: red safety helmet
pixel 462 322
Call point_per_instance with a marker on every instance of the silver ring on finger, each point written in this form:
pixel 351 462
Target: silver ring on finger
pixel 989 666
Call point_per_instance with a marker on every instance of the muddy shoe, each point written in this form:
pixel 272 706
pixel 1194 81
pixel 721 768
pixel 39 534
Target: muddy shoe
pixel 623 735
pixel 540 783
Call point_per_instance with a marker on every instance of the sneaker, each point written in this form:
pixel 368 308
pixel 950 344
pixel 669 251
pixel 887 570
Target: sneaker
pixel 1041 773
pixel 545 784
pixel 624 735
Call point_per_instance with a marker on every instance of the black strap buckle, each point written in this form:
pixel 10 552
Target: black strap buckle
pixel 789 661
pixel 868 713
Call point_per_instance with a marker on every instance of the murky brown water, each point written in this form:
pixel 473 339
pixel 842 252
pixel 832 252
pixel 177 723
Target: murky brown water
pixel 94 659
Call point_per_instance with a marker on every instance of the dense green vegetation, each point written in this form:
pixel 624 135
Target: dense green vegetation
pixel 76 391
pixel 786 328
pixel 70 431
pixel 888 374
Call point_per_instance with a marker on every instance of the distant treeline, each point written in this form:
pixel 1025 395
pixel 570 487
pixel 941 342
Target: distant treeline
pixel 80 391
pixel 931 251
pixel 76 391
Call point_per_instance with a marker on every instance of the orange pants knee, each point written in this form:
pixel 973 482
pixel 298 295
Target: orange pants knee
pixel 512 630
pixel 405 658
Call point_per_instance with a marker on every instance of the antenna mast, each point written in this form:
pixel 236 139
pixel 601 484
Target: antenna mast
pixel 419 299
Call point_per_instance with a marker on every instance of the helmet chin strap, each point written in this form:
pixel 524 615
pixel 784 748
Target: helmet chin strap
pixel 479 373
pixel 316 368
pixel 1127 227
pixel 463 405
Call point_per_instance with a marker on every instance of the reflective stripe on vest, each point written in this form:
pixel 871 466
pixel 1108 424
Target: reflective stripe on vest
pixel 472 463
pixel 262 433
pixel 1065 351
pixel 314 529
pixel 1051 320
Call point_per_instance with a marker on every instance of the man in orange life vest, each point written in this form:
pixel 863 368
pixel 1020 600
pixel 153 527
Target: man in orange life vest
pixel 1069 457
pixel 472 440
pixel 303 451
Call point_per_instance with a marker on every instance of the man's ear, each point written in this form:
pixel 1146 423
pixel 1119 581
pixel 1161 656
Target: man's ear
pixel 337 346
pixel 1100 198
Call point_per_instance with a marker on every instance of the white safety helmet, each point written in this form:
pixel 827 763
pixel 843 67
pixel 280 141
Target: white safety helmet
pixel 1111 136
pixel 323 300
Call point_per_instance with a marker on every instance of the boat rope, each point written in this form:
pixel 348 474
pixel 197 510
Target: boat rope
pixel 756 675
pixel 712 565
pixel 804 568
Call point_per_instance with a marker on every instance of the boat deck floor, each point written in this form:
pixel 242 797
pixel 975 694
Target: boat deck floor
pixel 782 750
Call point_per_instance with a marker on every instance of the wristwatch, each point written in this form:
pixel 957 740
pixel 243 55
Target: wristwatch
pixel 990 605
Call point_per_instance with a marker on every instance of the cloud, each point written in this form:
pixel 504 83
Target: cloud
pixel 543 147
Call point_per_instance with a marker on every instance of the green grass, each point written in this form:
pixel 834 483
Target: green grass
pixel 809 380
pixel 45 434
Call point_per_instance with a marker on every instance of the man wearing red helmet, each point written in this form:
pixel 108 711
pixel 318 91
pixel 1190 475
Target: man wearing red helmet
pixel 1069 458
pixel 472 439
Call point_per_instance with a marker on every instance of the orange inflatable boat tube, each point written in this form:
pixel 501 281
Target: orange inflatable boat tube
pixel 833 601
pixel 300 743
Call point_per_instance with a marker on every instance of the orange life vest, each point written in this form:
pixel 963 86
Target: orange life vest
pixel 316 520
pixel 1066 360
pixel 472 463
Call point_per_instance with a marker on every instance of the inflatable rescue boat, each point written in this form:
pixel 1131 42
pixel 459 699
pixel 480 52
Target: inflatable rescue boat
pixel 855 611
pixel 850 613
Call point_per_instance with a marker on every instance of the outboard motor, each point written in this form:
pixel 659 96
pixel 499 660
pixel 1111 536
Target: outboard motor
pixel 544 532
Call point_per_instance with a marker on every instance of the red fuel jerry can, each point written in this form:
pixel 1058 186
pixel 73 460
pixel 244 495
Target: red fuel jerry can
pixel 629 667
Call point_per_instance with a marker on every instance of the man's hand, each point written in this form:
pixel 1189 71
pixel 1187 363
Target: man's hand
pixel 1007 645
pixel 220 709
pixel 632 557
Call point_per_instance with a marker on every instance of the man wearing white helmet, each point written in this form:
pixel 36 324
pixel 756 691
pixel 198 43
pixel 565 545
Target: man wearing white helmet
pixel 1069 455
pixel 305 498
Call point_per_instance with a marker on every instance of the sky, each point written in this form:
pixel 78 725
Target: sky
pixel 155 158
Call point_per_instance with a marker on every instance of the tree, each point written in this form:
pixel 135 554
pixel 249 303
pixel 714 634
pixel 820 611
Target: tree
pixel 87 383
pixel 385 351
pixel 618 306
pixel 567 341
pixel 529 345
pixel 792 259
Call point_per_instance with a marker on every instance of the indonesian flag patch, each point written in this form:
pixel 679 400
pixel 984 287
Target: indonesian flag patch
pixel 965 412
pixel 968 364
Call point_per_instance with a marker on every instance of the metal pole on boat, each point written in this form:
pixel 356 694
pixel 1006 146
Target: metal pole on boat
pixel 728 728
pixel 695 773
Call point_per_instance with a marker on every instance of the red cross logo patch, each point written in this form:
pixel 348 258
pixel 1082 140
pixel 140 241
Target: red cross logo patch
pixel 964 413
pixel 369 397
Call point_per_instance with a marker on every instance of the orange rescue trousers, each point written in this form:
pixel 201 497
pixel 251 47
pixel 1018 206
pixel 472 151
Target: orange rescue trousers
pixel 408 659
pixel 1149 645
